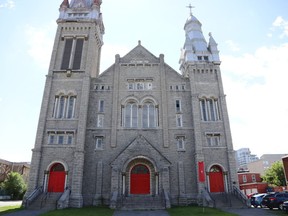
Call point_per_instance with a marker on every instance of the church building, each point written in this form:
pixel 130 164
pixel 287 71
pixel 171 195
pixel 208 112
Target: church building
pixel 138 130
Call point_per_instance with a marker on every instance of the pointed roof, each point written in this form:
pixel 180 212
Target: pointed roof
pixel 196 49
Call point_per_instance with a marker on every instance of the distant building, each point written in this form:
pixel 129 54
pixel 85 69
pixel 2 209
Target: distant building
pixel 6 167
pixel 243 157
pixel 265 162
pixel 251 183
pixel 285 164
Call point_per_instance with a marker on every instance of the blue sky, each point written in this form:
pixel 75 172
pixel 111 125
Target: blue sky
pixel 252 36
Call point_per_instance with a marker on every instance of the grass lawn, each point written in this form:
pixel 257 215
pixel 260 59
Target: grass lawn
pixel 196 211
pixel 87 211
pixel 8 209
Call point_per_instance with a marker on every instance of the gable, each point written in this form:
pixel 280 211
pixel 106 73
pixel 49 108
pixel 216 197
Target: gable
pixel 140 147
pixel 139 55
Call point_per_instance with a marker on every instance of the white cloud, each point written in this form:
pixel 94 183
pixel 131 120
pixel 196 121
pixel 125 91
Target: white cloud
pixel 40 42
pixel 256 85
pixel 108 54
pixel 282 25
pixel 7 4
pixel 232 45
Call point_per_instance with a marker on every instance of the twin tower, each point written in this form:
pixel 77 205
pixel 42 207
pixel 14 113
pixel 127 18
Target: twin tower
pixel 137 131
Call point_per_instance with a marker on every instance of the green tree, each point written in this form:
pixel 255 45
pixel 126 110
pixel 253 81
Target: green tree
pixel 14 185
pixel 275 174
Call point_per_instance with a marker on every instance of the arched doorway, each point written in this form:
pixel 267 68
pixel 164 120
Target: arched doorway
pixel 56 178
pixel 140 180
pixel 216 179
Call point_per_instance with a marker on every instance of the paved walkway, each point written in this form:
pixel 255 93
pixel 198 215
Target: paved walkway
pixel 238 211
pixel 22 212
pixel 251 211
pixel 141 213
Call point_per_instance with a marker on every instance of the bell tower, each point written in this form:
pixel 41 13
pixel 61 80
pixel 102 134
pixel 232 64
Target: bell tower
pixel 200 62
pixel 75 60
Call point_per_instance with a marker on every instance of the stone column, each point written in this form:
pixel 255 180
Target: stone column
pixel 181 179
pixel 99 183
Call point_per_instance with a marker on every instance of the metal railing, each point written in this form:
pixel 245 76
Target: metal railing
pixel 33 196
pixel 63 201
pixel 237 192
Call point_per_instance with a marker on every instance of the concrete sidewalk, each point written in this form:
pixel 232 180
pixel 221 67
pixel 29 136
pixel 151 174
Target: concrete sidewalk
pixel 251 211
pixel 10 203
pixel 141 213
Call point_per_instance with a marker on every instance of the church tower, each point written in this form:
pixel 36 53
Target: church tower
pixel 200 63
pixel 75 60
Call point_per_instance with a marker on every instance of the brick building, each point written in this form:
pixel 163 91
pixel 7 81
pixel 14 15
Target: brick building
pixel 285 165
pixel 23 168
pixel 250 183
pixel 138 128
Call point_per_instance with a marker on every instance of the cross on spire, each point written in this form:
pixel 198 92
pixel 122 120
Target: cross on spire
pixel 190 7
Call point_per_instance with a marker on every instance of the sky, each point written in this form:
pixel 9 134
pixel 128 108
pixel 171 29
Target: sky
pixel 252 37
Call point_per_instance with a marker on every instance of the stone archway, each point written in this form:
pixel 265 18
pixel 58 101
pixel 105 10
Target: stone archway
pixel 140 179
pixel 57 178
pixel 216 179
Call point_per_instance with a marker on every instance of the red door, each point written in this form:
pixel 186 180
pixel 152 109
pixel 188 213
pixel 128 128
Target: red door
pixel 140 180
pixel 56 178
pixel 216 179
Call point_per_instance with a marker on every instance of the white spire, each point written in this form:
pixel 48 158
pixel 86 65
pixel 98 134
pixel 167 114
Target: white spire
pixel 84 10
pixel 195 49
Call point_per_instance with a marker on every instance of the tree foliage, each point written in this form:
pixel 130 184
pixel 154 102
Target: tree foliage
pixel 275 174
pixel 14 185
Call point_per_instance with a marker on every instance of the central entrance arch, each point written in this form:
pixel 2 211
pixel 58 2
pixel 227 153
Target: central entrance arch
pixel 140 179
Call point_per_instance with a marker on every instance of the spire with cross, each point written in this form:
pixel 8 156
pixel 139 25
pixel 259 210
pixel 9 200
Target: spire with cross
pixel 190 7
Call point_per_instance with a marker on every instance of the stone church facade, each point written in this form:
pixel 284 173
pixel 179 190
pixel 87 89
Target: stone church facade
pixel 138 129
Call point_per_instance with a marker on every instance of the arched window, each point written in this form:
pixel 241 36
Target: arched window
pixel 64 106
pixel 131 115
pixel 209 109
pixel 149 115
pixel 71 107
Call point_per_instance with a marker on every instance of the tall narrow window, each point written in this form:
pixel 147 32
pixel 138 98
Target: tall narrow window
pixel 71 107
pixel 67 53
pixel 78 54
pixel 61 107
pixel 179 120
pixel 178 105
pixel 99 143
pixel 100 121
pixel 101 106
pixel 180 143
pixel 148 115
pixel 51 139
pixel 72 53
pixel 131 115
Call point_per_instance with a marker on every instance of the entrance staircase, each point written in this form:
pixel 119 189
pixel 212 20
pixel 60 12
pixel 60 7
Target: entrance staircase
pixel 46 201
pixel 224 200
pixel 142 203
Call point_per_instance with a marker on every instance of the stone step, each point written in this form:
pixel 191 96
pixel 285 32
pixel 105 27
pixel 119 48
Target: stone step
pixel 45 201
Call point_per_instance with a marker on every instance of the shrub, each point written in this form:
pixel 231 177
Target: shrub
pixel 14 186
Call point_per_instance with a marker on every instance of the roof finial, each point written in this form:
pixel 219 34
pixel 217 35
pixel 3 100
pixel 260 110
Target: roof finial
pixel 190 7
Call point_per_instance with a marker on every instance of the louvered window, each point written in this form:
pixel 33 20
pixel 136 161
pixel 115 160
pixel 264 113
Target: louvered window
pixel 72 54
